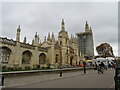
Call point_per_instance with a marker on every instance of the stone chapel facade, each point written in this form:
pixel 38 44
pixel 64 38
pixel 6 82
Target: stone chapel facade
pixel 50 52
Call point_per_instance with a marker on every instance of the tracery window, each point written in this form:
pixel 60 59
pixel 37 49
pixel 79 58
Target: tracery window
pixel 42 58
pixel 4 55
pixel 26 56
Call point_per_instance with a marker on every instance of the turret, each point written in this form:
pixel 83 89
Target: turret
pixel 90 29
pixel 18 34
pixel 48 38
pixel 63 35
pixel 86 27
pixel 37 39
pixel 25 40
pixel 45 39
pixel 33 42
pixel 62 25
pixel 53 38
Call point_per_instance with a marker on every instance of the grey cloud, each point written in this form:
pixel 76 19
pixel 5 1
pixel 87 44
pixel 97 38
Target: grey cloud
pixel 46 17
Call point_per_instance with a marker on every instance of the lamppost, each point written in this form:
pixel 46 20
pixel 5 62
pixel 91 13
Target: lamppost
pixel 117 76
pixel 67 55
pixel 60 62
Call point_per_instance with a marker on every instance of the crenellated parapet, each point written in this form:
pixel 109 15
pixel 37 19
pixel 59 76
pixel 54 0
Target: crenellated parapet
pixel 7 41
pixel 42 49
pixel 28 46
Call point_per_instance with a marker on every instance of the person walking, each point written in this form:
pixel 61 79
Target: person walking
pixel 109 65
pixel 101 68
pixel 84 66
pixel 96 66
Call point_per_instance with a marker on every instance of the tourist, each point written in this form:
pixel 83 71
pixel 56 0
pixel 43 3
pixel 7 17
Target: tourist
pixel 96 66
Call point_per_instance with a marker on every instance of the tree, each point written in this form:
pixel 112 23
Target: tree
pixel 105 50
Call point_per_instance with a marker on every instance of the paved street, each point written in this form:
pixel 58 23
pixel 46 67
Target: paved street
pixel 76 80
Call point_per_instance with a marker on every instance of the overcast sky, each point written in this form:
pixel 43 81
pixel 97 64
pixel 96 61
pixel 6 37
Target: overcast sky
pixel 44 17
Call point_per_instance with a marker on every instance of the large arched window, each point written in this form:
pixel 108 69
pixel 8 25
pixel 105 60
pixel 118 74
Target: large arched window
pixel 42 58
pixel 5 55
pixel 26 56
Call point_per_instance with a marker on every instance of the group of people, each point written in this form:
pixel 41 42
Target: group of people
pixel 101 67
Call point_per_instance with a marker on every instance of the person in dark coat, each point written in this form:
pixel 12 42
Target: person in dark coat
pixel 84 66
pixel 96 66
pixel 101 67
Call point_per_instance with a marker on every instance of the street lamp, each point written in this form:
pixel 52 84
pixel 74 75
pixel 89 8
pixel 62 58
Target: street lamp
pixel 67 55
pixel 60 63
pixel 117 77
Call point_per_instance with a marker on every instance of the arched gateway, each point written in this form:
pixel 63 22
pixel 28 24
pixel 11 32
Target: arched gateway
pixel 5 54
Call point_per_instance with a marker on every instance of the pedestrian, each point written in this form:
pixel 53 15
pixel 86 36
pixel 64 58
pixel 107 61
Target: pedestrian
pixel 102 65
pixel 113 64
pixel 101 68
pixel 109 65
pixel 84 66
pixel 96 66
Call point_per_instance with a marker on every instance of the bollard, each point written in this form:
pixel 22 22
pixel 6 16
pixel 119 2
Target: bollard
pixel 60 73
pixel 2 80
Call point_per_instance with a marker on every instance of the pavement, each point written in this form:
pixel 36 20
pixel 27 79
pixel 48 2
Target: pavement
pixel 105 80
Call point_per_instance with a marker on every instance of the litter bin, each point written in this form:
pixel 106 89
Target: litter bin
pixel 117 78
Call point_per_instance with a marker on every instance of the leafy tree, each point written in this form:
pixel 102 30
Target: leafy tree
pixel 105 50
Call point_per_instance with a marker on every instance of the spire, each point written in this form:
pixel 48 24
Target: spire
pixel 18 29
pixel 90 29
pixel 25 40
pixel 86 23
pixel 63 22
pixel 53 38
pixel 48 38
pixel 33 42
pixel 36 35
pixel 86 27
pixel 62 25
pixel 45 38
pixel 52 35
pixel 38 39
pixel 18 34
